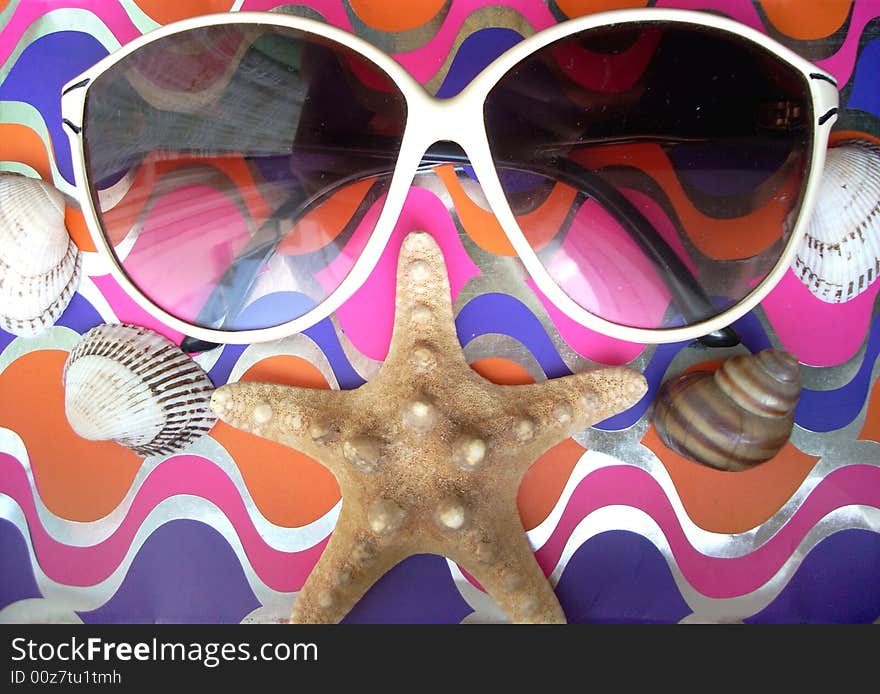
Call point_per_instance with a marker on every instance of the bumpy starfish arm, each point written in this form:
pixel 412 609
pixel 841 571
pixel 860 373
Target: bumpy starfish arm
pixel 352 562
pixel 551 411
pixel 515 581
pixel 423 321
pixel 295 417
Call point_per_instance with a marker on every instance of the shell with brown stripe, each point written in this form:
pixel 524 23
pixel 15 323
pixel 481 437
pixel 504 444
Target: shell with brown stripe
pixel 735 417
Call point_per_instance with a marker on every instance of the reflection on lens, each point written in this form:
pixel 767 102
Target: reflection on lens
pixel 239 170
pixel 680 153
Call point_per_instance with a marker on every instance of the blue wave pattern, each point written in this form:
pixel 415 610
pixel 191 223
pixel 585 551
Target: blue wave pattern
pixel 56 58
pixel 618 577
pixel 15 566
pixel 184 573
pixel 820 592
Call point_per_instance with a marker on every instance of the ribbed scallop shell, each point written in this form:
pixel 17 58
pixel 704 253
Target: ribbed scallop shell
pixel 39 263
pixel 839 257
pixel 733 418
pixel 131 385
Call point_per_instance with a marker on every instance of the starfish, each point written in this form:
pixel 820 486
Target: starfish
pixel 428 454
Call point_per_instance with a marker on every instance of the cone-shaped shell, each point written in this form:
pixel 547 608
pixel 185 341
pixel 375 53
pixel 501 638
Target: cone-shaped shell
pixel 131 385
pixel 735 417
pixel 839 256
pixel 39 262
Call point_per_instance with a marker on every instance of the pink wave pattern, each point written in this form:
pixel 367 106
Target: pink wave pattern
pixel 422 62
pixel 367 318
pixel 110 13
pixel 715 577
pixel 843 62
pixel 588 343
pixel 185 474
pixel 127 311
pixel 798 317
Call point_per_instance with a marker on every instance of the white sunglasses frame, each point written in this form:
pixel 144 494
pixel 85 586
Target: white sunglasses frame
pixel 458 119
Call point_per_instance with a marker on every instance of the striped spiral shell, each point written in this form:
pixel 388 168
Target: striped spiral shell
pixel 39 262
pixel 131 385
pixel 839 256
pixel 733 418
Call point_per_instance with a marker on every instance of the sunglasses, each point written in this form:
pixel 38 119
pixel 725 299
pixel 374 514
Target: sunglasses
pixel 652 169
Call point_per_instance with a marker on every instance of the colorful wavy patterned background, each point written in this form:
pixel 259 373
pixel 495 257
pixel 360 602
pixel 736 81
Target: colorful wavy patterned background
pixel 627 530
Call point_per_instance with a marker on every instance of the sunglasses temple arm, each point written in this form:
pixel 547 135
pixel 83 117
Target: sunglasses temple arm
pixel 235 285
pixel 239 278
pixel 687 295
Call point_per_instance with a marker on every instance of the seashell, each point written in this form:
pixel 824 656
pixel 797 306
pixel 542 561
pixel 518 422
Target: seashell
pixel 40 264
pixel 839 256
pixel 733 418
pixel 131 385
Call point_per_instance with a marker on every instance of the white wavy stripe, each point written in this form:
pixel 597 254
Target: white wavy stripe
pixel 708 609
pixel 704 541
pixel 61 19
pixel 86 598
pixel 23 113
pixel 38 611
pixel 721 545
pixel 208 360
pixel 86 534
pixel 299 345
pixel 138 17
pixel 485 609
pixel 8 11
pixel 56 337
pixel 19 168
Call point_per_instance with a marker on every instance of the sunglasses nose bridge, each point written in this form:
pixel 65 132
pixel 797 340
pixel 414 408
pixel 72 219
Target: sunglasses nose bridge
pixel 450 120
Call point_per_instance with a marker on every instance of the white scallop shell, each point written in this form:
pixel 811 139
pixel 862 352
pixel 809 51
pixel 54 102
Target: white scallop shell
pixel 39 262
pixel 839 256
pixel 131 385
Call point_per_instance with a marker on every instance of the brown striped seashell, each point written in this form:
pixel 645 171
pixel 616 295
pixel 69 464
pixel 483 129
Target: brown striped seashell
pixel 733 418
pixel 128 384
pixel 39 263
pixel 839 256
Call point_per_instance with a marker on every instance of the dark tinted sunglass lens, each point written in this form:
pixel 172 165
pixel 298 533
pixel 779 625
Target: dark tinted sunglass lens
pixel 681 153
pixel 238 170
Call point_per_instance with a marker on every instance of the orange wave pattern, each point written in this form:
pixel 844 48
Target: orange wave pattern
pixel 823 19
pixel 290 488
pixel 165 12
pixel 396 15
pixel 77 479
pixel 156 166
pixel 731 502
pixel 578 8
pixel 716 238
pixel 21 144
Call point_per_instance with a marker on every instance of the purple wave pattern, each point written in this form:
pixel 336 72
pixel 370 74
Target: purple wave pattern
pixel 619 576
pixel 823 592
pixel 715 577
pixel 18 582
pixel 185 572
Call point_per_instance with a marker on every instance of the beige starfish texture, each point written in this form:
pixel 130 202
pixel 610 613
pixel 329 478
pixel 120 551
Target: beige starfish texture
pixel 428 454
